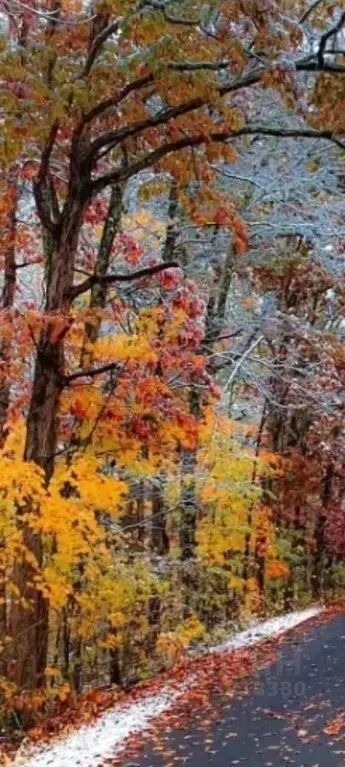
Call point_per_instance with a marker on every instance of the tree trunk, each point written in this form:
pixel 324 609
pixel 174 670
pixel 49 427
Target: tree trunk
pixel 247 556
pixel 115 673
pixel 297 534
pixel 159 535
pixel 318 572
pixel 29 625
pixel 261 546
pixel 188 505
pixel 7 299
pixel 213 324
pixel 99 291
pixel 140 512
pixel 188 489
pixel 9 235
pixel 78 666
pixel 66 642
pixel 154 613
pixel 172 232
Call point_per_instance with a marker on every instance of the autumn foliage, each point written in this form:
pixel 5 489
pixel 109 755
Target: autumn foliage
pixel 138 513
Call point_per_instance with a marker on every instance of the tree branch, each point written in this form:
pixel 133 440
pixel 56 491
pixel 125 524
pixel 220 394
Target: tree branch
pixel 241 361
pixel 151 158
pixel 115 100
pixel 313 66
pixel 313 63
pixel 310 10
pixel 114 137
pixel 190 66
pixel 109 279
pixel 327 36
pixel 261 130
pixel 91 372
pixel 180 20
pixel 170 112
pixel 40 185
pixel 96 46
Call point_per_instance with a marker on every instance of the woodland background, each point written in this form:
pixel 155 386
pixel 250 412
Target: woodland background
pixel 172 411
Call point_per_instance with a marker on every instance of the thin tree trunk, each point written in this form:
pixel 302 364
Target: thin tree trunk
pixel 298 536
pixel 99 291
pixel 115 673
pixel 247 556
pixel 66 641
pixel 172 232
pixel 140 511
pixel 154 612
pixel 7 300
pixel 318 572
pixel 188 489
pixel 159 535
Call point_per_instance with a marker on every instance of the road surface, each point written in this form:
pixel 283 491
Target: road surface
pixel 279 720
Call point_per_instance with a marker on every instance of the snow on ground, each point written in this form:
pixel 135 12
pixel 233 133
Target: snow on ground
pixel 91 744
pixel 270 628
pixel 88 746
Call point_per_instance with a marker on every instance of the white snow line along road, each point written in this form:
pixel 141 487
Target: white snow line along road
pixel 269 628
pixel 88 746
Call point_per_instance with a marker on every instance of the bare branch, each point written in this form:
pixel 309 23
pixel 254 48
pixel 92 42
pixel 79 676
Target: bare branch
pixel 24 264
pixel 327 36
pixel 91 372
pixel 241 361
pixel 262 130
pixel 310 10
pixel 109 279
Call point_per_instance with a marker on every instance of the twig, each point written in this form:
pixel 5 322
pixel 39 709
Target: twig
pixel 240 362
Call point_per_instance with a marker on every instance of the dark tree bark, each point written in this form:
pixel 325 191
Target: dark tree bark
pixel 6 305
pixel 188 488
pixel 248 554
pixel 29 627
pixel 159 535
pixel 115 671
pixel 320 557
pixel 99 290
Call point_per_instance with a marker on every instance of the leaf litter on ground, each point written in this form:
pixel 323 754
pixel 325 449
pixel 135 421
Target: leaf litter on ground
pixel 164 703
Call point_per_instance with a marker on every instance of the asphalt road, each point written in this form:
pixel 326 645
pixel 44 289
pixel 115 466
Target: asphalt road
pixel 280 720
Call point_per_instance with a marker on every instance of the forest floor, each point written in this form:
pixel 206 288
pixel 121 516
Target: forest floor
pixel 270 696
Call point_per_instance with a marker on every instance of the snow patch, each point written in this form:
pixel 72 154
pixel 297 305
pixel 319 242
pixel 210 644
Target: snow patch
pixel 88 746
pixel 261 631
